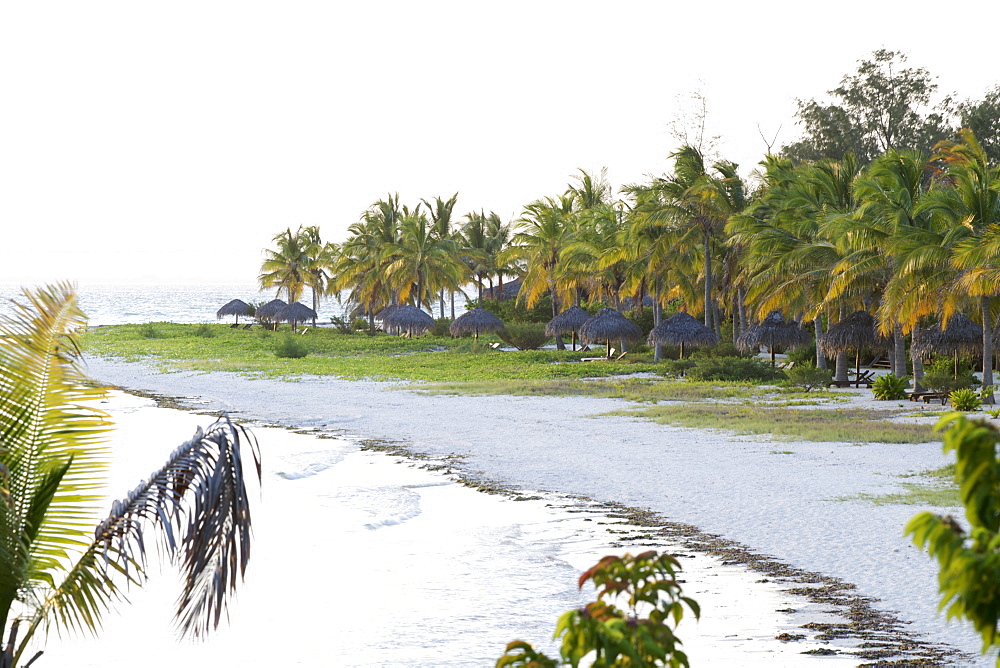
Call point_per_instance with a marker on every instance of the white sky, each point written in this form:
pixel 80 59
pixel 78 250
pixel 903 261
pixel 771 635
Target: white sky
pixel 170 141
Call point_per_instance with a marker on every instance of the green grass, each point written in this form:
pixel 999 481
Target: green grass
pixel 843 425
pixel 935 488
pixel 352 356
pixel 631 389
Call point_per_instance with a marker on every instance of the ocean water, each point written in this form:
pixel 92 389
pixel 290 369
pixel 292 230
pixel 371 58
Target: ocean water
pixel 137 303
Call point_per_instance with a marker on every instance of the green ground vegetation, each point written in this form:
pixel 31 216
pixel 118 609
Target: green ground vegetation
pixel 926 488
pixel 847 425
pixel 351 356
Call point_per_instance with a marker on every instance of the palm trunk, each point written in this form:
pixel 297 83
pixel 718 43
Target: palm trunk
pixel 820 357
pixel 441 310
pixel 452 305
pixel 742 294
pixel 555 311
pixel 899 352
pixel 315 304
pixel 708 279
pixel 918 370
pixel 657 317
pixel 841 372
pixel 987 351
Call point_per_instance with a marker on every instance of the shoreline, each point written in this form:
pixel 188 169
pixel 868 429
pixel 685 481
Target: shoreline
pixel 492 446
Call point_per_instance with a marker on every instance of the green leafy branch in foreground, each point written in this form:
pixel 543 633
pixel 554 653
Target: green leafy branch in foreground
pixel 969 560
pixel 617 637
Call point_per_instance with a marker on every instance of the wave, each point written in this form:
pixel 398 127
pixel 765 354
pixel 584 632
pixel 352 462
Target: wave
pixel 307 464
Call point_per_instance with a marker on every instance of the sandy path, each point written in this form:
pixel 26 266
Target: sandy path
pixel 785 505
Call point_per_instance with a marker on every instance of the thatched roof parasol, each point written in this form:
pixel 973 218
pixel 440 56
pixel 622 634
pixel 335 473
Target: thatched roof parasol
pixel 855 332
pixel 607 325
pixel 387 311
pixel 477 321
pixel 680 329
pixel 270 309
pixel 406 319
pixel 569 320
pixel 295 313
pixel 960 336
pixel 236 307
pixel 773 331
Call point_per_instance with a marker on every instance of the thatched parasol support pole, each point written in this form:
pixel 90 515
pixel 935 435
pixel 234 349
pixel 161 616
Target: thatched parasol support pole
pixel 682 350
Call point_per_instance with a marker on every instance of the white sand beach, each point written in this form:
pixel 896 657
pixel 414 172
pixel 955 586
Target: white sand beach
pixel 749 490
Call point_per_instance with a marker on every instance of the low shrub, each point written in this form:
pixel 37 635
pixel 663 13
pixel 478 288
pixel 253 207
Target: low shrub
pixel 644 319
pixel 204 331
pixel 345 326
pixel 940 377
pixel 524 335
pixel 724 349
pixel 149 331
pixel 441 327
pixel 803 355
pixel 290 347
pixel 808 377
pixel 965 399
pixel 890 387
pixel 734 369
pixel 514 310
pixel 678 367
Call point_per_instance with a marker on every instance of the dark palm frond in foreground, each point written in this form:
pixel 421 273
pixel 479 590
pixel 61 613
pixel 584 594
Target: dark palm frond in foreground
pixel 55 569
pixel 198 499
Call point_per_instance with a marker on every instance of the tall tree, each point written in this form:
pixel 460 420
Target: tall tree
pixel 441 211
pixel 970 198
pixel 543 231
pixel 699 201
pixel 883 105
pixel 420 263
pixel 287 266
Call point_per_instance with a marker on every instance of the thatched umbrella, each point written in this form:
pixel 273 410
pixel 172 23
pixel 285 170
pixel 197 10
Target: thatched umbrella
pixel 477 320
pixel 268 311
pixel 681 328
pixel 773 331
pixel 236 307
pixel 855 332
pixel 569 320
pixel 960 336
pixel 407 319
pixel 607 325
pixel 295 313
pixel 387 311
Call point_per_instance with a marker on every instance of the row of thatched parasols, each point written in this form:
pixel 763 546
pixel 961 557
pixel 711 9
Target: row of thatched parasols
pixel 855 333
pixel 275 310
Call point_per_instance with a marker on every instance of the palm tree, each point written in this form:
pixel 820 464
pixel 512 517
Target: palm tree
pixel 287 267
pixel 319 258
pixel 358 263
pixel 970 199
pixel 476 248
pixel 441 212
pixel 56 569
pixel 420 263
pixel 700 202
pixel 543 231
